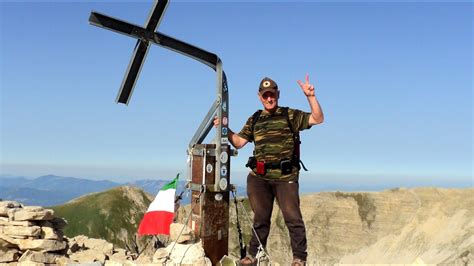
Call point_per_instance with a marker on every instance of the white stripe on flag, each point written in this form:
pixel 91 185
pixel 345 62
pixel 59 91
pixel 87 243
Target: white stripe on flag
pixel 164 201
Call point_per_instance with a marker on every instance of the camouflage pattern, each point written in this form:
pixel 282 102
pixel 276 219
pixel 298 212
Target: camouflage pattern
pixel 273 139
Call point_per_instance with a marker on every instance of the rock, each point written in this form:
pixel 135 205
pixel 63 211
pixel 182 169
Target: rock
pixel 7 241
pixel 9 255
pixel 99 245
pixel 50 233
pixel 88 256
pixel 56 222
pixel 113 262
pixel 41 257
pixel 5 245
pixel 22 230
pixel 160 255
pixel 119 257
pixel 29 213
pixel 16 223
pixel 187 234
pixel 228 261
pixel 63 261
pixel 182 254
pixel 41 244
pixel 73 247
pixel 93 243
pixel 10 264
pixel 393 226
pixel 6 205
pixel 143 259
pixel 18 237
pixel 30 263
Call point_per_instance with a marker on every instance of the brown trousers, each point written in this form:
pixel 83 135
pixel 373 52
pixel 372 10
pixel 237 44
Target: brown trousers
pixel 261 195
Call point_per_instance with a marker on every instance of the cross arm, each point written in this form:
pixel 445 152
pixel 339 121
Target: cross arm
pixel 192 51
pixel 138 32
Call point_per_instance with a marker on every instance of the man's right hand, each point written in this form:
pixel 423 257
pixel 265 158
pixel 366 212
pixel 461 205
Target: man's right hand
pixel 234 139
pixel 216 121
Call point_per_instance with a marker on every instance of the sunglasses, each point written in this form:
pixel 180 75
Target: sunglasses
pixel 268 95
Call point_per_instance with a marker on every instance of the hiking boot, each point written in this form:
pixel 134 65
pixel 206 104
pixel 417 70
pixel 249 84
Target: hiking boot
pixel 248 261
pixel 298 262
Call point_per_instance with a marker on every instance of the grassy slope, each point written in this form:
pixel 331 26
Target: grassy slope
pixel 109 215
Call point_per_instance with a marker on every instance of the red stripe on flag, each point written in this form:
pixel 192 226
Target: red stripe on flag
pixel 155 223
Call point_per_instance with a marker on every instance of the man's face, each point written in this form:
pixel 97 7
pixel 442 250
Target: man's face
pixel 269 100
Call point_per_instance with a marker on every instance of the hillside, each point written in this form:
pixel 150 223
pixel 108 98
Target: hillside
pixel 112 215
pixel 429 225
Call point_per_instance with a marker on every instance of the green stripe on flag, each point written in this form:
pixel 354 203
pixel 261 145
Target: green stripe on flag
pixel 172 184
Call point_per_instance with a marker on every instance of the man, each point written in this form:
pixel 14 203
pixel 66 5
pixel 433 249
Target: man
pixel 275 164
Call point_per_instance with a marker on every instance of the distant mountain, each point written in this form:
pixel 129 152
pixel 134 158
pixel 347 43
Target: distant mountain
pixel 50 190
pixel 53 182
pixel 36 197
pixel 152 186
pixel 113 215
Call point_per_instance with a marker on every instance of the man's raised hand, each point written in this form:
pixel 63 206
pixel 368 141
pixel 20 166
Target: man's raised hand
pixel 308 88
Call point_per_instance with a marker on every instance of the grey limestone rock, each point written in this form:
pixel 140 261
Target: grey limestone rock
pixel 13 230
pixel 39 257
pixel 7 205
pixel 182 254
pixel 184 232
pixel 88 256
pixel 8 255
pixel 30 213
pixel 41 244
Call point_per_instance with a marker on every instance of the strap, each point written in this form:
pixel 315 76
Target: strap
pixel 304 167
pixel 296 141
pixel 285 113
pixel 243 248
pixel 255 117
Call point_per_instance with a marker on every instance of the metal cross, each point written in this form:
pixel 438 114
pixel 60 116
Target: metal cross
pixel 147 35
pixel 218 163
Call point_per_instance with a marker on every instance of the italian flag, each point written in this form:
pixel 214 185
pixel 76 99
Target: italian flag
pixel 160 213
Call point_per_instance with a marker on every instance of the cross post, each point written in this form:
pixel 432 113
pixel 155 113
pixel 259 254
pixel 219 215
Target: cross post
pixel 209 163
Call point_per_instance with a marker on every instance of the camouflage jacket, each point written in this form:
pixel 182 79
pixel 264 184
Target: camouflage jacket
pixel 273 139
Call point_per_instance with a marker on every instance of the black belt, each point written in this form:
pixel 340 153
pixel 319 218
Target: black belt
pixel 252 163
pixel 273 165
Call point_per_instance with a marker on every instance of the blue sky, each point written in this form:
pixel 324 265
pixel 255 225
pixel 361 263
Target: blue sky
pixel 394 80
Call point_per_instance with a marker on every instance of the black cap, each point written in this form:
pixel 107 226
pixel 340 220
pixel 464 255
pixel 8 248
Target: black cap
pixel 267 84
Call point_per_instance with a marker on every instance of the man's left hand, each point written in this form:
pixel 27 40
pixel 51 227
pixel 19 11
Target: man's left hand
pixel 308 88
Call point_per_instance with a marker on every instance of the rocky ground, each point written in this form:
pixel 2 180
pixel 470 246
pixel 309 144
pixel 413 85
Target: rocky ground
pixel 398 226
pixel 32 235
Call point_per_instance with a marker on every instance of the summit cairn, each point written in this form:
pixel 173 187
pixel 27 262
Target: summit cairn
pixel 30 234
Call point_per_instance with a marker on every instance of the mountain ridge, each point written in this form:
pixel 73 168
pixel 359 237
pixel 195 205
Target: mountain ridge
pixel 400 225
